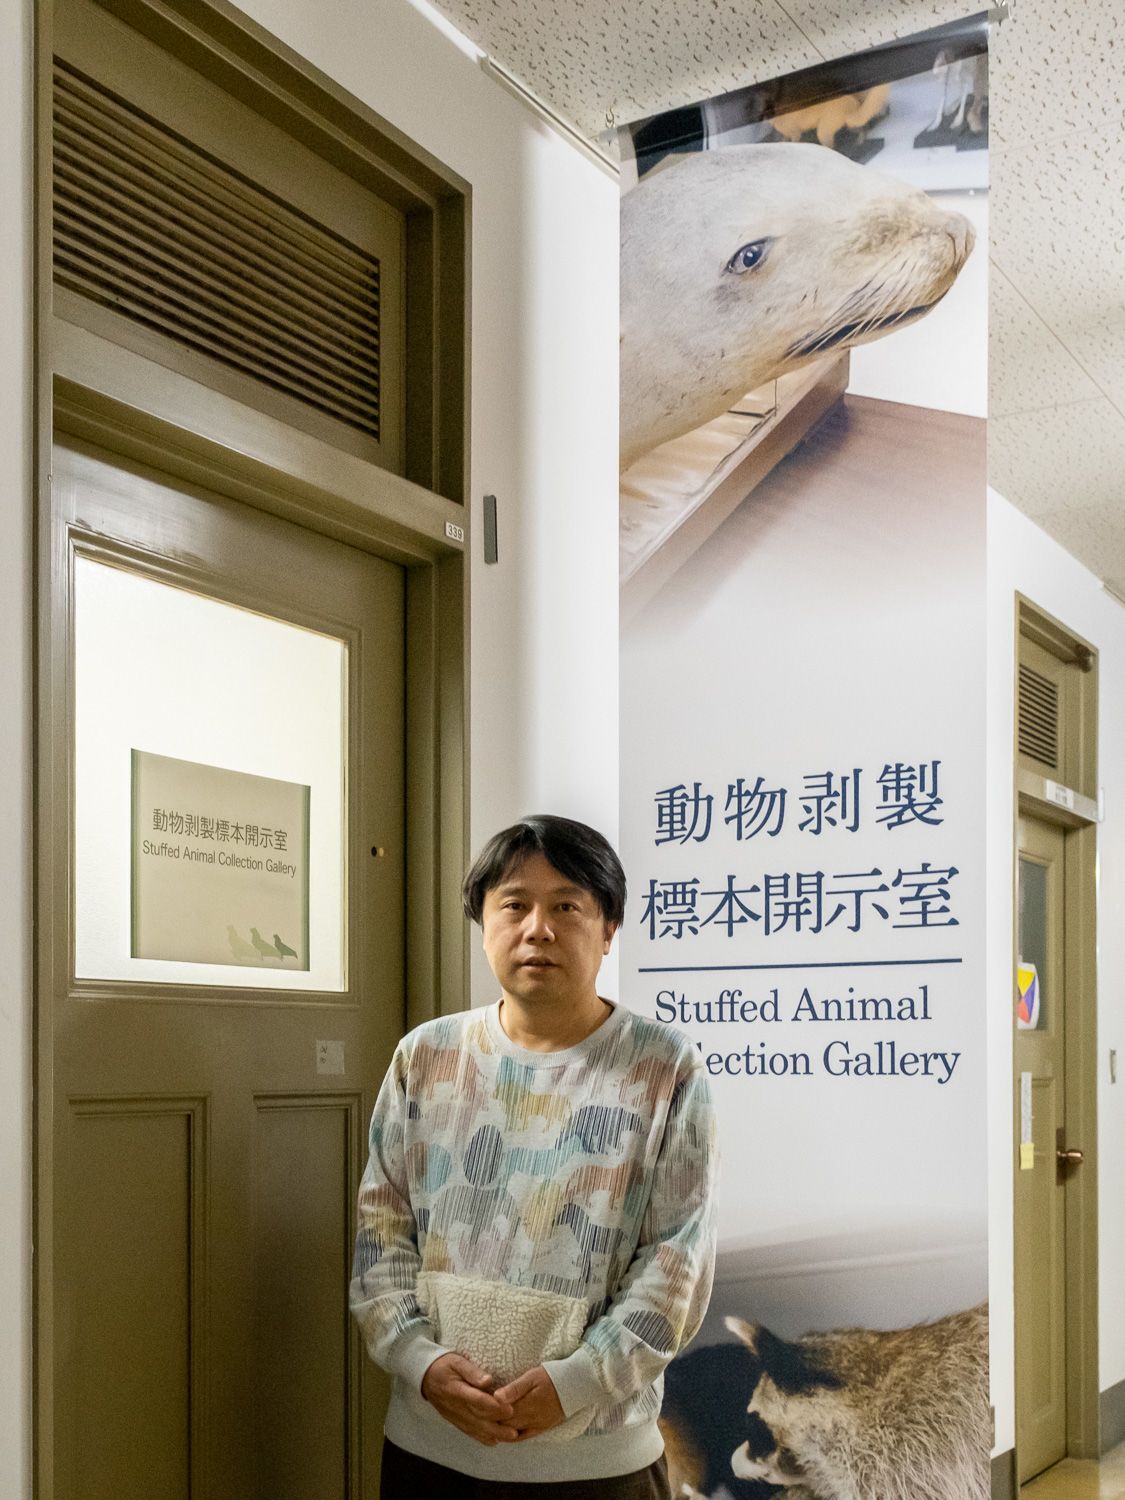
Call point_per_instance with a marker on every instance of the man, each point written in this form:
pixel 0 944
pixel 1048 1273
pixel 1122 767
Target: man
pixel 536 1221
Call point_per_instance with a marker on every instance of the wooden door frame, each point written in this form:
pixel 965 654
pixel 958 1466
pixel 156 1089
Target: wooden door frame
pixel 146 413
pixel 1079 825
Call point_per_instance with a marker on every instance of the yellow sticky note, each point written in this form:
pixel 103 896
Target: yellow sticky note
pixel 1027 1156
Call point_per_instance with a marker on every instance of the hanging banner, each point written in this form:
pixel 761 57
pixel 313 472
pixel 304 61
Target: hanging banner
pixel 804 322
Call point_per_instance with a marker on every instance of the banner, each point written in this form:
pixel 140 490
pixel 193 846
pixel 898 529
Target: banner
pixel 802 564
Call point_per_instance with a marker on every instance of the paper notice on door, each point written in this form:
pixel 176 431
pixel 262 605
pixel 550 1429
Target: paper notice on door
pixel 1027 1143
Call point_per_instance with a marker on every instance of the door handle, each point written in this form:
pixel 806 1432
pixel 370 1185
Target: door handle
pixel 1071 1158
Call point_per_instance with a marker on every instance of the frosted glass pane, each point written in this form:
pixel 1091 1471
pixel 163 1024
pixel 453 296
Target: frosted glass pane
pixel 1033 932
pixel 162 672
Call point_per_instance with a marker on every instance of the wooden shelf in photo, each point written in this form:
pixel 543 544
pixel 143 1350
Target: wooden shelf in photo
pixel 675 497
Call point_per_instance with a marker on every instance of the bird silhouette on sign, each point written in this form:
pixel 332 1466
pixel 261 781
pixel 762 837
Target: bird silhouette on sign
pixel 283 949
pixel 238 945
pixel 267 950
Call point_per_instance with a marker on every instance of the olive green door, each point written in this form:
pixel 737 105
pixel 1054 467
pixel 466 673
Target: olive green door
pixel 1040 1198
pixel 204 1121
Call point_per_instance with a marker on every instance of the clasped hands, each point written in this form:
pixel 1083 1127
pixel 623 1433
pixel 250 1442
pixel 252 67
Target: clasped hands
pixel 467 1396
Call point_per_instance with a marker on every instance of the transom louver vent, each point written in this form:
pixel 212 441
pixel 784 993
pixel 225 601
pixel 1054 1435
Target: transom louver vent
pixel 155 229
pixel 1039 717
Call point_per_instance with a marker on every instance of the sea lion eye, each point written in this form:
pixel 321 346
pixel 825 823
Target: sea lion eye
pixel 747 257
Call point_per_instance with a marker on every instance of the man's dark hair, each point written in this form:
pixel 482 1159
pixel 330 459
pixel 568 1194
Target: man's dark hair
pixel 576 851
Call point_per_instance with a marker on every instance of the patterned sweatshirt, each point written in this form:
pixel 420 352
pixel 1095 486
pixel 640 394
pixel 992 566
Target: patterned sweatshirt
pixel 528 1208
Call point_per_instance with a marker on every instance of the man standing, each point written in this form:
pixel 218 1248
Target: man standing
pixel 536 1221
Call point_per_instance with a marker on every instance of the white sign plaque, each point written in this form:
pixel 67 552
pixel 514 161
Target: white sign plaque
pixel 220 865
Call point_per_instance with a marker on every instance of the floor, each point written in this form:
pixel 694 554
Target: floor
pixel 1078 1479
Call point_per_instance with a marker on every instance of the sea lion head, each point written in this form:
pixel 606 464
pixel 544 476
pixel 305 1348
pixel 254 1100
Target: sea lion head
pixel 743 263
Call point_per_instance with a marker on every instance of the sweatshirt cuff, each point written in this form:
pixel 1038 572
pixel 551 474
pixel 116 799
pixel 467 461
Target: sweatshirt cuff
pixel 413 1355
pixel 576 1381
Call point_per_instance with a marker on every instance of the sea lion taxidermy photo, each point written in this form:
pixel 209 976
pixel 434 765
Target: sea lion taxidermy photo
pixel 743 263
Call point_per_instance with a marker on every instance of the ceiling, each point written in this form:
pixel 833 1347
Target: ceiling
pixel 1057 328
pixel 1057 162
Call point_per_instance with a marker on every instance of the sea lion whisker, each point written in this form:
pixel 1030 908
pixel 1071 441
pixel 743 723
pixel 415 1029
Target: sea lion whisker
pixel 887 288
pixel 852 311
pixel 842 318
pixel 821 341
pixel 859 329
pixel 858 297
pixel 862 297
pixel 814 346
pixel 879 289
pixel 826 340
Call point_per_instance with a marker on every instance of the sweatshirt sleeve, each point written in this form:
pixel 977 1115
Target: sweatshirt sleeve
pixel 385 1269
pixel 663 1296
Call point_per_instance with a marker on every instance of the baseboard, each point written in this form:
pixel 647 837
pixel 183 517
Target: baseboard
pixel 1112 1404
pixel 1112 1412
pixel 1004 1485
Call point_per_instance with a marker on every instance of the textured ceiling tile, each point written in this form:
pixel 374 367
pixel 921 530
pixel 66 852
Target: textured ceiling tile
pixel 840 27
pixel 1058 70
pixel 1058 215
pixel 1101 350
pixel 1028 368
pixel 585 57
pixel 1066 470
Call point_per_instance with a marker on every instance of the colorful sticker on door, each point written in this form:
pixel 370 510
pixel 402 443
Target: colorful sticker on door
pixel 1027 1003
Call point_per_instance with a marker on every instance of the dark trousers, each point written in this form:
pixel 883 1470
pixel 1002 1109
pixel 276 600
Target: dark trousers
pixel 407 1477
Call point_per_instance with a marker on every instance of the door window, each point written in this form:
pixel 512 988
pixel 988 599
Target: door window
pixel 210 787
pixel 1032 945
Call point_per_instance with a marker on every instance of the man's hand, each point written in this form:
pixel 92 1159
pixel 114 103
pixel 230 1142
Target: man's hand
pixel 533 1402
pixel 461 1392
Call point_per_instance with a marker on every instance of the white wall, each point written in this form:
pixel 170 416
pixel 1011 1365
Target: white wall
pixel 15 747
pixel 544 390
pixel 1023 558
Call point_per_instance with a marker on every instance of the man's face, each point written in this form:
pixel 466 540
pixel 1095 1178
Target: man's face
pixel 545 937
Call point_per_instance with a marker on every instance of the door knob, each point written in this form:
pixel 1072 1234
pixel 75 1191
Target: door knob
pixel 1071 1158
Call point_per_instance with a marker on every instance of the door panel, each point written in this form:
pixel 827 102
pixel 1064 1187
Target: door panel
pixel 1040 1207
pixel 301 1376
pixel 209 1116
pixel 131 1417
